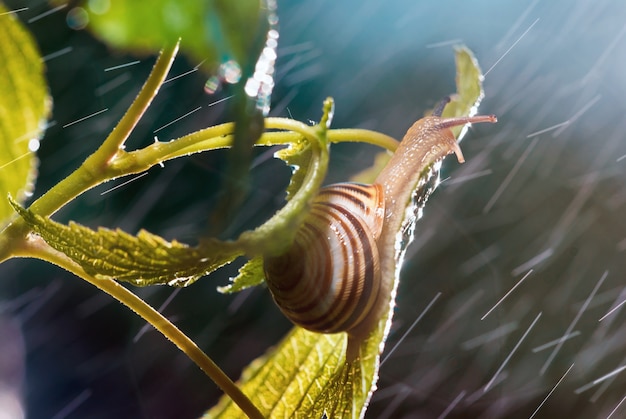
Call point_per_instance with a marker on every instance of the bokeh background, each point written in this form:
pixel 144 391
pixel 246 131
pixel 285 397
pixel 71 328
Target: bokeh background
pixel 541 198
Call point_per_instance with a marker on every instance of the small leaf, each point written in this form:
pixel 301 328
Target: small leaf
pixel 468 86
pixel 250 275
pixel 145 259
pixel 24 107
pixel 298 156
pixel 145 26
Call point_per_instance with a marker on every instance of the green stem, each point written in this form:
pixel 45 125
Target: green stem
pixel 94 170
pixel 36 247
pixel 220 136
pixel 363 136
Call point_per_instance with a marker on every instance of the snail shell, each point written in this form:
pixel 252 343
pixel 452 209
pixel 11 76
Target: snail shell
pixel 339 274
pixel 329 279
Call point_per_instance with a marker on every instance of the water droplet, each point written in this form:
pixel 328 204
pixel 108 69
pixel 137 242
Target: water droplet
pixel 77 18
pixel 33 145
pixel 230 71
pixel 261 84
pixel 99 7
pixel 212 85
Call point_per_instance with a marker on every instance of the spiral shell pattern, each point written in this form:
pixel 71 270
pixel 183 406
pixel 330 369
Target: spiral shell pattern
pixel 330 278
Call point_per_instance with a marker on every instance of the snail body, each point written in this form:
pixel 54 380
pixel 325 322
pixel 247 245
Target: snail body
pixel 334 278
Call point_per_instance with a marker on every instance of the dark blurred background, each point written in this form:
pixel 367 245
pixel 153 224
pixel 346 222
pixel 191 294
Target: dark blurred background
pixel 542 194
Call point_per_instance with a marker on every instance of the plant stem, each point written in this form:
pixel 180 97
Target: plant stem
pixel 36 247
pixel 93 171
pixel 363 136
pixel 220 136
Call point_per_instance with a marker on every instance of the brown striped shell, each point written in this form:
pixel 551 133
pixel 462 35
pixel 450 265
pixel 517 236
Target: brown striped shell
pixel 329 279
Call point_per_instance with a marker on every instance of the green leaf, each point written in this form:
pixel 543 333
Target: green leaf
pixel 306 376
pixel 469 88
pixel 24 107
pixel 209 31
pixel 145 259
pixel 250 275
pixel 298 156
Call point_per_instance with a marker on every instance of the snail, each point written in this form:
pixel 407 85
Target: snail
pixel 330 279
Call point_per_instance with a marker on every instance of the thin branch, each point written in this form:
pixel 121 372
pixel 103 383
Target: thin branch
pixel 34 246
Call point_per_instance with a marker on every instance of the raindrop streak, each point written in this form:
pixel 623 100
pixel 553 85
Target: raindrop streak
pixel 499 332
pixel 556 341
pixel 507 294
pixel 117 67
pixel 573 324
pixel 46 13
pixel 612 310
pixel 508 358
pixel 177 119
pixel 609 375
pixel 33 307
pixel 86 117
pixel 445 43
pixel 410 328
pixel 605 54
pixel 485 257
pixel 193 70
pixel 123 183
pixel 577 115
pixel 452 405
pixel 220 101
pixel 10 12
pixel 400 396
pixel 553 127
pixel 534 261
pixel 73 405
pixel 467 305
pixel 616 407
pixel 56 54
pixel 474 397
pixel 599 380
pixel 516 24
pixel 511 47
pixel 510 176
pixel 550 393
pixel 112 84
pixel 163 306
pixel 471 176
pixel 619 159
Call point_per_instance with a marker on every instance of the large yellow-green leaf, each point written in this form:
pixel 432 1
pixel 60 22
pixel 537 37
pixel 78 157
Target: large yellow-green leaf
pixel 145 259
pixel 24 107
pixel 205 27
pixel 306 376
